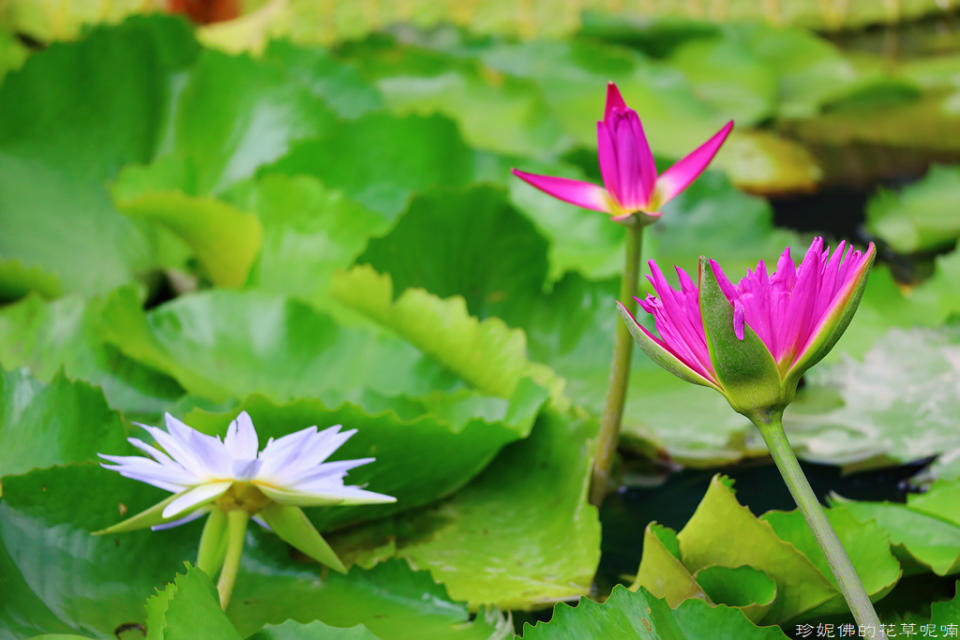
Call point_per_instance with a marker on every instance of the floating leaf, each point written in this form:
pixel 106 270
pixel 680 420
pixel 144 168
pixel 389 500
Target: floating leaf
pixel 457 435
pixel 55 157
pixel 316 630
pixel 895 406
pixel 487 354
pixel 496 540
pixel 45 425
pixel 66 333
pixel 638 615
pixel 17 280
pixel 412 154
pixel 309 231
pixel 918 217
pixel 198 221
pixel 924 529
pixel 188 608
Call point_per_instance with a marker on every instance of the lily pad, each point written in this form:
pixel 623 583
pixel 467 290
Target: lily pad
pixel 456 434
pixel 45 337
pixel 895 406
pixel 17 280
pixel 917 218
pixel 55 157
pixel 316 630
pixel 496 540
pixel 42 425
pixel 309 231
pixel 637 615
pixel 188 608
pixel 412 154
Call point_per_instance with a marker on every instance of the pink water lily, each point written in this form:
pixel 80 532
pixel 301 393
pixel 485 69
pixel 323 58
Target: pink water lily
pixel 630 179
pixel 794 315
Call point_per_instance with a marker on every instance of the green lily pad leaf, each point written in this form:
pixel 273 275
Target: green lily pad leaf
pixel 12 53
pixel 223 344
pixel 46 337
pixel 877 419
pixel 188 608
pixel 55 158
pixel 729 76
pixel 412 154
pixel 341 86
pixel 916 218
pixel 487 354
pixel 661 571
pixel 920 536
pixel 309 231
pixel 17 280
pixel 316 630
pixel 42 425
pixel 491 254
pixel 639 615
pixel 198 221
pixel 458 433
pixel 60 579
pixel 866 543
pixel 495 110
pixel 495 541
pixel 236 113
pixel 748 589
pixel 706 541
pixel 48 21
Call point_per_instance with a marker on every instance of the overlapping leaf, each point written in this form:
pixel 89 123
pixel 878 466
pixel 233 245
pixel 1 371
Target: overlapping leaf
pixel 495 541
pixel 722 533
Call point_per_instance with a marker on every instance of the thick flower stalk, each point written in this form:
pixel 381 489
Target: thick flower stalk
pixel 632 193
pixel 230 480
pixel 752 342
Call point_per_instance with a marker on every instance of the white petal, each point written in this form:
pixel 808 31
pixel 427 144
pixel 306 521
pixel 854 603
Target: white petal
pixel 148 468
pixel 179 452
pixel 332 470
pixel 311 455
pixel 241 441
pixel 279 453
pixel 354 495
pixel 176 523
pixel 246 469
pixel 166 486
pixel 157 455
pixel 195 496
pixel 329 496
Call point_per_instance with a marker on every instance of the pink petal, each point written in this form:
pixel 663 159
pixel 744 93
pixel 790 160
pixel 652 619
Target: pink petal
pixel 679 176
pixel 607 158
pixel 582 194
pixel 614 100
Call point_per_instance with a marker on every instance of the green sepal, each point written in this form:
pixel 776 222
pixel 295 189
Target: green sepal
pixel 660 355
pixel 144 519
pixel 294 528
pixel 745 368
pixel 834 324
pixel 213 543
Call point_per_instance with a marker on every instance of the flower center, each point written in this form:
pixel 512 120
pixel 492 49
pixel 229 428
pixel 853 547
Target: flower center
pixel 245 496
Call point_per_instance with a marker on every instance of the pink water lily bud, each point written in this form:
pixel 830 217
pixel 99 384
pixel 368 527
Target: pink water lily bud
pixel 752 341
pixel 631 184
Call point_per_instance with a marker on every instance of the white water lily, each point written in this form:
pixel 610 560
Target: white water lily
pixel 232 480
pixel 199 468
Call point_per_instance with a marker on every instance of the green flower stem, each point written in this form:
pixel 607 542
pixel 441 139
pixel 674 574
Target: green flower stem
pixel 212 543
pixel 771 428
pixel 237 520
pixel 619 371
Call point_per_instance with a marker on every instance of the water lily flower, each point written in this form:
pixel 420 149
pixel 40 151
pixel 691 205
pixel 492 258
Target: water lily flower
pixel 231 479
pixel 752 341
pixel 631 184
